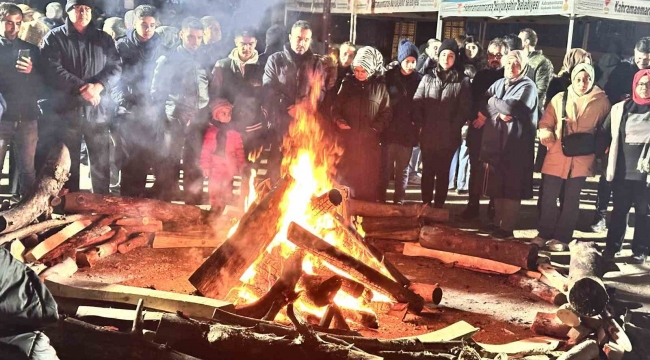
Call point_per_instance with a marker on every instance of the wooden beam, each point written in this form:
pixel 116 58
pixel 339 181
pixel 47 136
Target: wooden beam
pixel 549 294
pixel 371 209
pixel 141 240
pixel 169 239
pixel 40 227
pixel 195 306
pixel 57 239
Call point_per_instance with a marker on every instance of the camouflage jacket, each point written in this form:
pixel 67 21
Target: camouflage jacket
pixel 540 70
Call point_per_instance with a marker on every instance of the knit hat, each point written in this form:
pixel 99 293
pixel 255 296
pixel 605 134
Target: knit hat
pixel 370 59
pixel 71 3
pixel 406 49
pixel 218 103
pixel 448 44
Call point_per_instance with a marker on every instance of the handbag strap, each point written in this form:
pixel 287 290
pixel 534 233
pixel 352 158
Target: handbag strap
pixel 564 101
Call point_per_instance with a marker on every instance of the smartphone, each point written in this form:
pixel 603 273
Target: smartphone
pixel 23 53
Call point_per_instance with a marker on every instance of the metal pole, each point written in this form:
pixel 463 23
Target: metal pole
pixel 439 27
pixel 286 17
pixel 353 22
pixel 585 36
pixel 570 39
pixel 327 23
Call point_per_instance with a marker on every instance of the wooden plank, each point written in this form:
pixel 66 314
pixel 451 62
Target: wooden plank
pixel 462 261
pixel 116 314
pixel 552 277
pixel 17 249
pixel 160 300
pixel 536 345
pixel 166 240
pixel 457 331
pixel 55 240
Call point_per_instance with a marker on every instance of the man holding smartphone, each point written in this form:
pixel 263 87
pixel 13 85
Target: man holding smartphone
pixel 20 84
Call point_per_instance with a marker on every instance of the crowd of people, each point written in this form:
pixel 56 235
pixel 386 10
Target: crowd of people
pixel 165 99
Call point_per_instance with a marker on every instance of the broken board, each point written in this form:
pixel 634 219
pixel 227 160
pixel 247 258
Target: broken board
pixel 462 261
pixel 193 306
pixel 531 346
pixel 457 331
pixel 55 240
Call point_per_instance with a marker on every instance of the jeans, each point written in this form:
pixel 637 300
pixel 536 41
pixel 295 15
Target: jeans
pixel 461 155
pixel 626 194
pixel 550 225
pixel 23 136
pixel 435 171
pixel 506 213
pixel 395 161
pixel 416 159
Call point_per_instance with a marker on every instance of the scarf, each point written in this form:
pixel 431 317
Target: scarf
pixel 637 77
pixel 573 58
pixel 222 137
pixel 234 56
pixel 577 70
pixel 370 59
pixel 518 55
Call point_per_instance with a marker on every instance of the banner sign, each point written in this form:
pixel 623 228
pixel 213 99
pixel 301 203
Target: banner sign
pixel 630 10
pixel 397 6
pixel 338 6
pixel 493 8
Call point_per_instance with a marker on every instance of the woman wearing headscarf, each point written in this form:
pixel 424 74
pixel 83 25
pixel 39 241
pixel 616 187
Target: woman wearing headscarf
pixel 507 147
pixel 361 112
pixel 442 104
pixel 586 108
pixel 628 168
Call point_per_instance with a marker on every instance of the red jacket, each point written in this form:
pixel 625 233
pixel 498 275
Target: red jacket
pixel 228 164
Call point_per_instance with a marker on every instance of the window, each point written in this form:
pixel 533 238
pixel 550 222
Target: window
pixel 403 30
pixel 453 29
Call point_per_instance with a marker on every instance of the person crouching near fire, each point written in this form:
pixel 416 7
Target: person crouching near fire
pixel 222 156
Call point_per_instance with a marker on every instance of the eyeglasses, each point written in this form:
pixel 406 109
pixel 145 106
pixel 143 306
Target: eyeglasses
pixel 496 56
pixel 642 85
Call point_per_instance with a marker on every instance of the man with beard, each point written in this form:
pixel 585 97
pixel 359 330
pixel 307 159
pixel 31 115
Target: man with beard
pixel 180 85
pixel 82 65
pixel 214 47
pixel 540 68
pixel 139 50
pixel 287 81
pixel 482 82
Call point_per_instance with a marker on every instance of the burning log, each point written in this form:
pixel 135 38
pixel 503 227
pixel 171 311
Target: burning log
pixel 587 293
pixel 360 271
pixel 370 209
pixel 548 324
pixel 279 295
pixel 376 224
pixel 257 228
pixel 48 184
pixel 92 256
pixel 141 240
pixel 321 289
pixel 401 235
pixel 133 207
pixel 365 318
pixel 168 239
pixel 41 227
pixel 445 238
pixel 537 288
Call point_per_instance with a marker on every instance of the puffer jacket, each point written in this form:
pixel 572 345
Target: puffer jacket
pixel 21 91
pixel 363 105
pixel 231 160
pixel 72 60
pixel 540 70
pixel 401 89
pixel 138 64
pixel 584 115
pixel 181 81
pixel 443 102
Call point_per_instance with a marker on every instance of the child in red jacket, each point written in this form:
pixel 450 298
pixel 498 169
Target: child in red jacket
pixel 222 156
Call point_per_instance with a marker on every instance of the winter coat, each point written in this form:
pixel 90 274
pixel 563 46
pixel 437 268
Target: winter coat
pixel 402 129
pixel 425 64
pixel 211 53
pixel 365 107
pixel 51 23
pixel 181 81
pixel 558 84
pixel 138 64
pixel 287 81
pixel 508 148
pixel 21 91
pixel 619 85
pixel 479 87
pixel 72 60
pixel 244 91
pixel 540 70
pixel 583 116
pixel 615 127
pixel 441 109
pixel 227 164
pixel 606 64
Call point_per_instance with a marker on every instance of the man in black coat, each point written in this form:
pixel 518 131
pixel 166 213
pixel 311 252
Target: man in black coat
pixel 180 86
pixel 139 50
pixel 20 82
pixel 287 81
pixel 82 65
pixel 480 85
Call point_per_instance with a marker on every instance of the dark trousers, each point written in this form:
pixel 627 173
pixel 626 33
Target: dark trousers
pixel 435 173
pixel 604 194
pixel 552 226
pixel 476 172
pixel 97 140
pixel 136 140
pixel 23 135
pixel 395 162
pixel 626 194
pixel 181 143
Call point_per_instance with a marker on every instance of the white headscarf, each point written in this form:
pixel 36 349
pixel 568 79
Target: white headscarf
pixel 521 59
pixel 370 59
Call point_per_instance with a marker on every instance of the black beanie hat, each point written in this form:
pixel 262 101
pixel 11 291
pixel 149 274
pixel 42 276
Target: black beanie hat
pixel 448 44
pixel 406 49
pixel 72 3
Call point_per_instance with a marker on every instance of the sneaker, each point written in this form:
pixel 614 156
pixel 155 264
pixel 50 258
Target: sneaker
pixel 415 180
pixel 609 254
pixel 599 225
pixel 502 234
pixel 637 259
pixel 539 241
pixel 556 245
pixel 470 213
pixel 462 192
